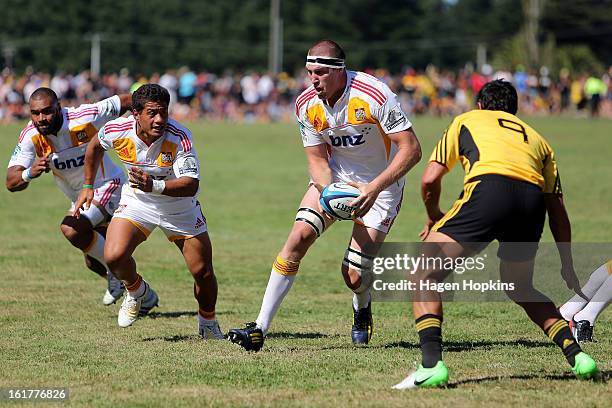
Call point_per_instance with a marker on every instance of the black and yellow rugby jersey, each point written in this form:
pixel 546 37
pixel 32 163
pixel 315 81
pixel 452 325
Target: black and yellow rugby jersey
pixel 496 142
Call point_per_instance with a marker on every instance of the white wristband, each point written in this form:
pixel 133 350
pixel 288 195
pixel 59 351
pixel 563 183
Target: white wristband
pixel 25 175
pixel 158 186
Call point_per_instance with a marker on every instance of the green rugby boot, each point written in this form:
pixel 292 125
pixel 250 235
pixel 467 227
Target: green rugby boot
pixel 585 367
pixel 436 376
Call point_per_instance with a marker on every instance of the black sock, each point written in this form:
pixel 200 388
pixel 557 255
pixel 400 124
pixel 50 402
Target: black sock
pixel 560 333
pixel 429 327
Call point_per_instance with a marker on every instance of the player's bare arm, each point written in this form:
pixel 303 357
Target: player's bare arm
pixel 181 187
pixel 318 165
pixel 431 187
pixel 17 177
pixel 408 155
pixel 93 157
pixel 126 103
pixel 561 229
pixel 558 219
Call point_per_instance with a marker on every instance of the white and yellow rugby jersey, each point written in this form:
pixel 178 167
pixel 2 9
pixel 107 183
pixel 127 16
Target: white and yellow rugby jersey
pixel 355 129
pixel 496 142
pixel 66 150
pixel 168 158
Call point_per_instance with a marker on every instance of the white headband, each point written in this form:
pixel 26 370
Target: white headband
pixel 328 62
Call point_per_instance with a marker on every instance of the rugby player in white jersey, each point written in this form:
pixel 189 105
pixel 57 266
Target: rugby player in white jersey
pixel 353 130
pixel 582 311
pixel 164 173
pixel 55 140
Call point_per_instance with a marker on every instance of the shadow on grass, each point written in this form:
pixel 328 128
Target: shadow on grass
pixel 287 335
pixel 279 335
pixel 458 346
pixel 604 378
pixel 174 339
pixel 171 315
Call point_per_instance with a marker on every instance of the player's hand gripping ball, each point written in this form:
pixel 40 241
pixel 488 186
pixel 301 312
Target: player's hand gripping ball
pixel 336 200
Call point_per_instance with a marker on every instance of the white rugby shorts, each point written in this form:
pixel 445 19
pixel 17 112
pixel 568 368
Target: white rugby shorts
pixel 383 213
pixel 186 224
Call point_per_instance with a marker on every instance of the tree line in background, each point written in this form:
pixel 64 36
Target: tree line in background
pixel 154 35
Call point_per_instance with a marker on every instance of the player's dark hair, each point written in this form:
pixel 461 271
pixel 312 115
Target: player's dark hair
pixel 149 93
pixel 331 49
pixel 45 93
pixel 498 95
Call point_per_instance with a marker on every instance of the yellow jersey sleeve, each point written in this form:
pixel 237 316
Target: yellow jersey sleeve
pixel 446 151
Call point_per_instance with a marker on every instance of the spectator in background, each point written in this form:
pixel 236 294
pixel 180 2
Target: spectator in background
pixel 595 89
pixel 265 86
pixel 60 84
pixel 187 85
pixel 124 81
pixel 140 82
pixel 564 88
pixel 262 97
pixel 169 81
pixel 577 92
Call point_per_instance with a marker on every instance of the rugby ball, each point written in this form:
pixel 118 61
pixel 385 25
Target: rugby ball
pixel 336 199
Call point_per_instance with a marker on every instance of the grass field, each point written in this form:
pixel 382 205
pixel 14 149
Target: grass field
pixel 55 332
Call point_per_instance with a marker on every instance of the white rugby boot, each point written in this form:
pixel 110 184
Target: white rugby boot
pixel 131 308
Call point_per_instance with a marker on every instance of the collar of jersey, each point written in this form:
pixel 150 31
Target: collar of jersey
pixel 135 128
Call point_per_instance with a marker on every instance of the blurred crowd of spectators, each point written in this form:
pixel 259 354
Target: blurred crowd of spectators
pixel 261 97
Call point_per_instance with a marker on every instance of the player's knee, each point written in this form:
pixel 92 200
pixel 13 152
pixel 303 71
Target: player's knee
pixel 71 232
pixel 525 294
pixel 301 237
pixel 352 277
pixel 114 257
pixel 202 272
pixel 431 275
pixel 298 242
pixel 357 270
pixel 68 231
pixel 77 230
pixel 512 291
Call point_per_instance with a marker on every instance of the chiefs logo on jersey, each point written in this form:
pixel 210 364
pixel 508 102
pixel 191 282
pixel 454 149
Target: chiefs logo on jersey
pixel 166 158
pixel 82 136
pixel 360 114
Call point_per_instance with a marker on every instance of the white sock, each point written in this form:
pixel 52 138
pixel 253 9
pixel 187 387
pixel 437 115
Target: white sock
pixel 361 300
pixel 598 303
pixel 576 303
pixel 277 289
pixel 96 248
